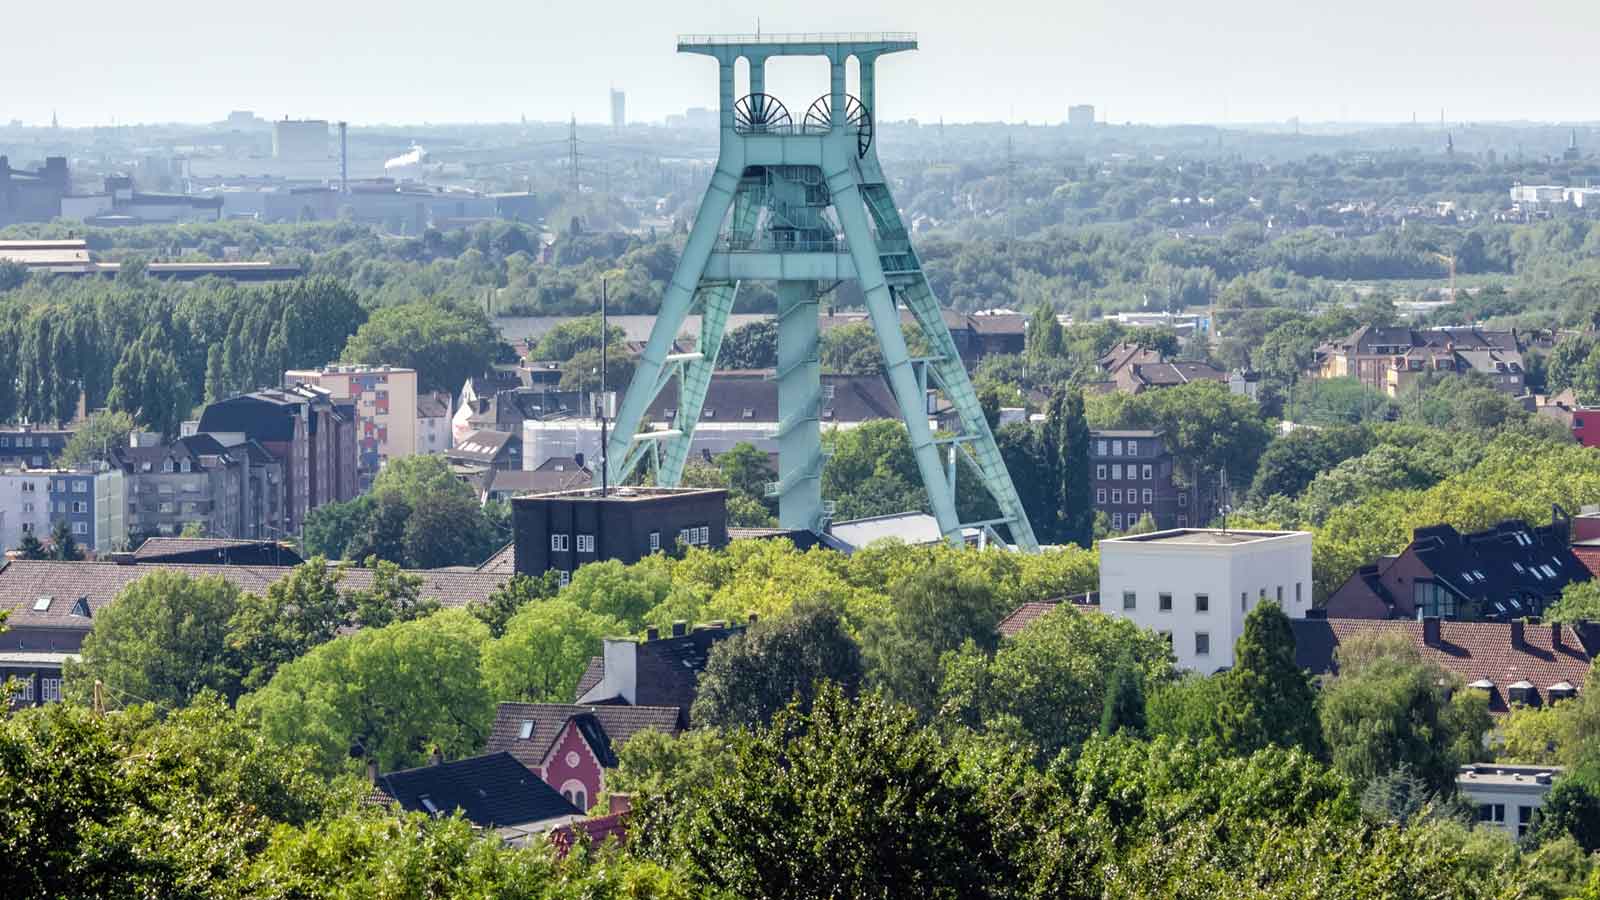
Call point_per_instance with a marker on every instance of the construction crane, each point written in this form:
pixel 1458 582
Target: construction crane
pixel 1450 261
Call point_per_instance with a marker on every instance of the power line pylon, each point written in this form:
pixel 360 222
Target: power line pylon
pixel 802 203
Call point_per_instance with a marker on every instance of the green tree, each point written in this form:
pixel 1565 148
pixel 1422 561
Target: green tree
pixel 850 350
pixel 1076 512
pixel 1045 338
pixel 31 547
pixel 148 385
pixel 850 800
pixel 387 694
pixel 936 609
pixel 95 436
pixel 445 345
pixel 1123 709
pixel 1580 602
pixel 299 611
pixel 332 527
pixel 511 597
pixel 751 676
pixel 393 595
pixel 574 336
pixel 1267 700
pixel 750 346
pixel 1389 707
pixel 63 545
pixel 544 651
pixel 163 641
pixel 1571 808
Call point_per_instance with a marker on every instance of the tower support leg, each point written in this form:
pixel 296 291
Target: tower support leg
pixel 799 404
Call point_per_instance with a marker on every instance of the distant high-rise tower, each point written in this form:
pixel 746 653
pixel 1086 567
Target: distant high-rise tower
pixel 1571 153
pixel 1449 144
pixel 55 123
pixel 1080 116
pixel 619 109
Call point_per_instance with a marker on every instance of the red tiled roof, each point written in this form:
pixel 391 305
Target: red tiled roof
pixel 1471 650
pixel 598 829
pixel 1031 612
pixel 1589 555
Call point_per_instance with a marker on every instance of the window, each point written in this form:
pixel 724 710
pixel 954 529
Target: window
pixel 80 527
pixel 566 578
pixel 1183 521
pixel 1100 472
pixel 526 732
pixel 1133 448
pixel 1244 601
pixel 558 542
pixel 585 543
pixel 166 507
pixel 166 465
pixel 686 535
pixel 1099 448
pixel 1149 496
pixel 1148 473
pixel 1183 500
pixel 29 487
pixel 58 486
pixel 1116 472
pixel 1100 495
pixel 185 467
pixel 1202 644
pixel 1280 596
pixel 1524 813
pixel 1202 603
pixel 1164 602
pixel 1116 496
pixel 1130 600
pixel 1492 812
pixel 24 692
pixel 79 506
pixel 1297 593
pixel 1116 448
pixel 430 806
pixel 1116 521
pixel 42 604
pixel 655 541
pixel 705 534
pixel 50 692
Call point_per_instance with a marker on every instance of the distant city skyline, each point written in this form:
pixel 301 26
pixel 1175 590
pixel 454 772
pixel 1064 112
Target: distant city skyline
pixel 1231 62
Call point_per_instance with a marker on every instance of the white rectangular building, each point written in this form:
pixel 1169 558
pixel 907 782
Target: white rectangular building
pixel 1506 796
pixel 1195 586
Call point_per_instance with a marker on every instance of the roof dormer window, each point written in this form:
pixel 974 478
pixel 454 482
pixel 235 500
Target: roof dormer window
pixel 166 466
pixel 526 732
pixel 184 467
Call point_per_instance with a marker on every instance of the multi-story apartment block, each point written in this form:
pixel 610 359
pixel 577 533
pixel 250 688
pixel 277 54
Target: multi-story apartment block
pixel 35 448
pixel 194 480
pixel 385 399
pixel 1132 474
pixel 311 436
pixel 1388 359
pixel 24 506
pixel 89 499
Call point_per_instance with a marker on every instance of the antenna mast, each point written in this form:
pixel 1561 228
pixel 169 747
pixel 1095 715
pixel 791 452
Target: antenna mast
pixel 605 470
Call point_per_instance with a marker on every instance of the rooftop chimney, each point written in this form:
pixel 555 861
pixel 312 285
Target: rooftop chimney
pixel 1555 636
pixel 372 771
pixel 436 758
pixel 1430 631
pixel 652 633
pixel 1518 640
pixel 679 628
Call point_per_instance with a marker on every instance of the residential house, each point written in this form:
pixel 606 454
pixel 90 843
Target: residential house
pixel 1583 421
pixel 493 791
pixel 1182 584
pixel 484 450
pixel 433 422
pixel 52 604
pixel 386 404
pixel 566 529
pixel 1034 610
pixel 572 746
pixel 1133 473
pixel 661 670
pixel 1507 796
pixel 1389 358
pixel 25 446
pixel 1132 369
pixel 218 551
pixel 24 507
pixel 1506 572
pixel 552 476
pixel 1514 662
pixel 92 500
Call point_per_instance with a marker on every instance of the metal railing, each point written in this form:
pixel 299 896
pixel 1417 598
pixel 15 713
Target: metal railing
pixel 770 245
pixel 811 37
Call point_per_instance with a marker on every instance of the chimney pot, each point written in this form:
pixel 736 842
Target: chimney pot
pixel 372 771
pixel 1555 636
pixel 1518 640
pixel 679 628
pixel 1430 631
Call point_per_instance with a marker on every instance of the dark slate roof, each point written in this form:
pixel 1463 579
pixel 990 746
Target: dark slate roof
pixel 999 323
pixel 1170 374
pixel 492 791
pixel 606 727
pixel 1519 564
pixel 1125 354
pixel 1470 650
pixel 215 550
pixel 535 481
pixel 592 674
pixel 195 448
pixel 669 668
pixel 483 446
pixel 262 415
pixel 23 582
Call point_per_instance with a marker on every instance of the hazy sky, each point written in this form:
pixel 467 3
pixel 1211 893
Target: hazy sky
pixel 493 60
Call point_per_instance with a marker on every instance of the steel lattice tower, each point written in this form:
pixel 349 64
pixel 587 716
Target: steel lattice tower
pixel 803 203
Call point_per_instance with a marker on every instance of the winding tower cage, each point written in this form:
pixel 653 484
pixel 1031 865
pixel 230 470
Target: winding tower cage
pixel 805 204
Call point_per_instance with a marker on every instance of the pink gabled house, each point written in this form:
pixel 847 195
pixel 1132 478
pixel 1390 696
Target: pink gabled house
pixel 571 746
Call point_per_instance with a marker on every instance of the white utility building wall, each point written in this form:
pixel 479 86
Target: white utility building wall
pixel 1196 586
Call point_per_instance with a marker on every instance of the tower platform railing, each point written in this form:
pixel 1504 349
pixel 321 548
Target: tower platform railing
pixel 813 37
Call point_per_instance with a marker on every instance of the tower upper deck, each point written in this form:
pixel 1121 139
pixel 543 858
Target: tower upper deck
pixel 831 44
